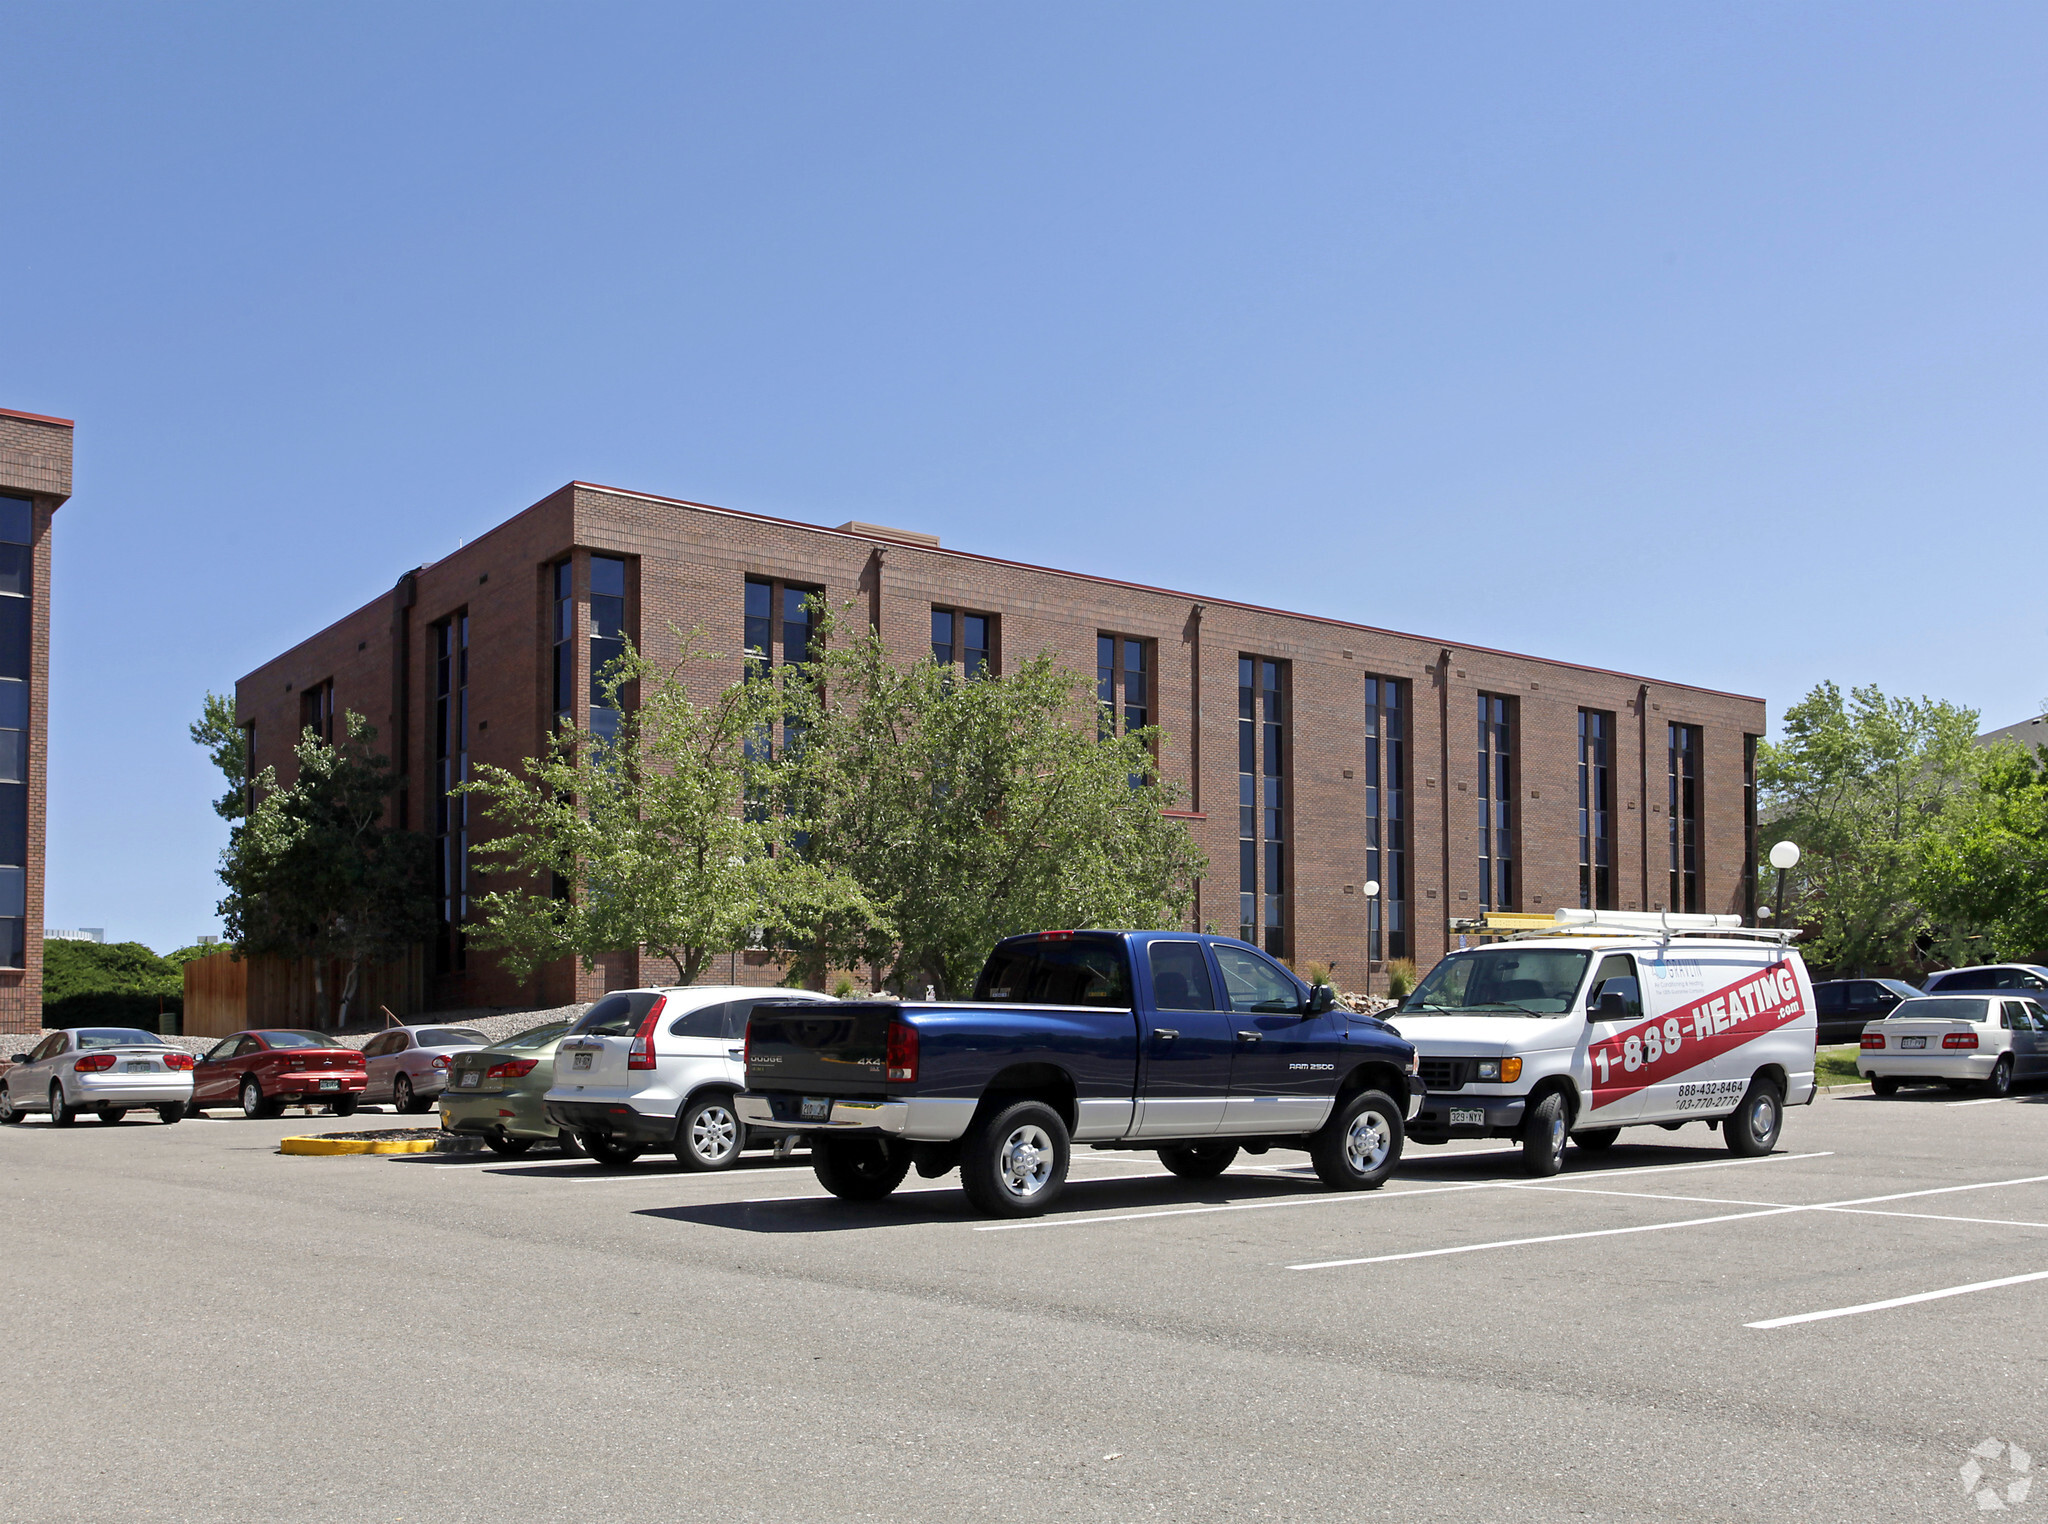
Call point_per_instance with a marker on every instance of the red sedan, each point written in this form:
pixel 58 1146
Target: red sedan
pixel 266 1070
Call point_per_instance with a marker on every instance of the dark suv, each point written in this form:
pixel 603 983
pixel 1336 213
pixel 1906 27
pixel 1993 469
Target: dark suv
pixel 1844 1005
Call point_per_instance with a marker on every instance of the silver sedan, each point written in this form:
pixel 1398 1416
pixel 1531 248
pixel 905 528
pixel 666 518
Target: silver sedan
pixel 109 1071
pixel 409 1065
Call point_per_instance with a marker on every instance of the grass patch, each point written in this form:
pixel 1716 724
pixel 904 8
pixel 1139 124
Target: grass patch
pixel 1837 1066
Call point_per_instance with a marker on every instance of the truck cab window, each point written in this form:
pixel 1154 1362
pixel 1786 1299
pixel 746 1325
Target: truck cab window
pixel 1067 971
pixel 1253 983
pixel 1180 977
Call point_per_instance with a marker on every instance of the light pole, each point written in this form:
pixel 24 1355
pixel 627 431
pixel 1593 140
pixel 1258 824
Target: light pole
pixel 1372 894
pixel 1783 856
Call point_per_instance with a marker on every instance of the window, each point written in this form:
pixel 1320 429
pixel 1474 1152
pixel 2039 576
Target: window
pixel 1057 971
pixel 1615 976
pixel 1496 802
pixel 705 1021
pixel 316 711
pixel 1262 803
pixel 1749 829
pixel 565 643
pixel 451 770
pixel 967 640
pixel 1596 810
pixel 607 639
pixel 1180 977
pixel 1682 802
pixel 1386 825
pixel 17 632
pixel 779 627
pixel 1123 688
pixel 1254 983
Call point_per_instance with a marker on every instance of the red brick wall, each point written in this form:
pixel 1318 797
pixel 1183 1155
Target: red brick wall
pixel 687 566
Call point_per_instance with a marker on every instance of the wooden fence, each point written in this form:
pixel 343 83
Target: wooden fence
pixel 224 993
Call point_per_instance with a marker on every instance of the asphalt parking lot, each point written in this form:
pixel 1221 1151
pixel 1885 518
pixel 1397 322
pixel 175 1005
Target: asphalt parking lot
pixel 203 1329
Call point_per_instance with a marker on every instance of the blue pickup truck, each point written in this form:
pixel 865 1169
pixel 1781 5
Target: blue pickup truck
pixel 1193 1046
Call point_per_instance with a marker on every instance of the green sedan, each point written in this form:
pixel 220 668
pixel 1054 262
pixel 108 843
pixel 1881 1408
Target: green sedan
pixel 495 1092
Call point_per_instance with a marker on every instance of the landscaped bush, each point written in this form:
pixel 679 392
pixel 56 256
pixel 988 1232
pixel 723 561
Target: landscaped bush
pixel 108 1008
pixel 109 984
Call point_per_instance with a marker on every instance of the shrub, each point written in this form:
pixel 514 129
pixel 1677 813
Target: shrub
pixel 1318 973
pixel 111 1008
pixel 843 988
pixel 1400 977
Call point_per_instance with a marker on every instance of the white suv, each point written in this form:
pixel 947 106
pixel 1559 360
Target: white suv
pixel 658 1069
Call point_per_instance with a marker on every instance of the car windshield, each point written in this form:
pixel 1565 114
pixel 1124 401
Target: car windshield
pixel 1939 1008
pixel 449 1037
pixel 297 1040
pixel 539 1037
pixel 118 1037
pixel 1500 981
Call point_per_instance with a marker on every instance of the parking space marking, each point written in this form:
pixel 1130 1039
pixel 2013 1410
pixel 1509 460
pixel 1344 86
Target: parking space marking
pixel 1659 1227
pixel 1899 1301
pixel 1995 1222
pixel 1581 1190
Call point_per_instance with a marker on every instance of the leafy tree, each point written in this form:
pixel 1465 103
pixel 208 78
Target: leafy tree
pixel 657 837
pixel 228 745
pixel 1991 871
pixel 313 871
pixel 72 967
pixel 1867 788
pixel 970 811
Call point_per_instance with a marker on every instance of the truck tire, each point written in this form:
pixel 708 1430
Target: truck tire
pixel 1199 1161
pixel 1358 1148
pixel 1597 1139
pixel 858 1169
pixel 1544 1130
pixel 1015 1161
pixel 1751 1130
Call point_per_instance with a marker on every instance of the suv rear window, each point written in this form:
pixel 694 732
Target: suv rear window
pixel 1057 972
pixel 615 1015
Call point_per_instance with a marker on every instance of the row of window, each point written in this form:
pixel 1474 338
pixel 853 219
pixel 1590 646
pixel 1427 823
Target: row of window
pixel 17 655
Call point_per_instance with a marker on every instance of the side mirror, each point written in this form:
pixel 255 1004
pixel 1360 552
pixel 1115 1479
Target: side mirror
pixel 1320 999
pixel 19 1058
pixel 1613 1006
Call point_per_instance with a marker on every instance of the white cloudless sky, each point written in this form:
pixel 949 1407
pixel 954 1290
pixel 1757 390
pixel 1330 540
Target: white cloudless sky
pixel 1704 342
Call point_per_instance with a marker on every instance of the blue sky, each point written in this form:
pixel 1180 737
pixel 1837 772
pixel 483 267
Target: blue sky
pixel 1699 341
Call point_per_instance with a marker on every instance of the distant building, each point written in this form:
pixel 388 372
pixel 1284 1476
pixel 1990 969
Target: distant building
pixel 1314 756
pixel 83 934
pixel 35 481
pixel 2029 733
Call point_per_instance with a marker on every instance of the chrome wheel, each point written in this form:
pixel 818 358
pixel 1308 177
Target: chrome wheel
pixel 1026 1161
pixel 252 1099
pixel 1366 1145
pixel 9 1112
pixel 61 1114
pixel 714 1134
pixel 1558 1130
pixel 1763 1118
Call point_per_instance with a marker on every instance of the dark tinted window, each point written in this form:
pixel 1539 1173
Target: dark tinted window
pixel 1062 972
pixel 705 1021
pixel 1830 999
pixel 1180 977
pixel 616 1015
pixel 17 520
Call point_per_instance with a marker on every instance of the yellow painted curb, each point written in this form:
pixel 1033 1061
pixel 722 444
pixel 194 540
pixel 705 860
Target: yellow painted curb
pixel 357 1146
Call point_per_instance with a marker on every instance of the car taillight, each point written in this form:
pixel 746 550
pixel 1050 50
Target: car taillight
pixel 1960 1040
pixel 1873 1039
pixel 902 1060
pixel 512 1068
pixel 440 1060
pixel 177 1060
pixel 93 1063
pixel 640 1055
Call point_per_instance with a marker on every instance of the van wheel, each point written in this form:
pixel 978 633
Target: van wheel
pixel 1015 1162
pixel 1544 1130
pixel 1597 1139
pixel 1753 1129
pixel 1883 1084
pixel 1358 1148
pixel 1200 1161
pixel 858 1169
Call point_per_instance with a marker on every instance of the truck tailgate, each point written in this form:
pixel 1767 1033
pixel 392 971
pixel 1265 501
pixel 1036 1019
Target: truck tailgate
pixel 835 1049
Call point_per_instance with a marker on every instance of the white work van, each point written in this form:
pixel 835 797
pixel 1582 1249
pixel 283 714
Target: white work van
pixel 1603 1020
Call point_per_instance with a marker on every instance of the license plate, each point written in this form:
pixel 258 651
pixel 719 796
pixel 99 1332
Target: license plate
pixel 817 1108
pixel 1912 1042
pixel 579 1061
pixel 330 1084
pixel 1468 1118
pixel 142 1067
pixel 469 1078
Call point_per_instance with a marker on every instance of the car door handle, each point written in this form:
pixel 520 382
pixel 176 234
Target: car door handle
pixel 1250 1036
pixel 1166 1034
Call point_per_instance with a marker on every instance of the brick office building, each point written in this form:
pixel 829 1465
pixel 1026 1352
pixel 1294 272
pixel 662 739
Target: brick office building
pixel 1315 756
pixel 35 480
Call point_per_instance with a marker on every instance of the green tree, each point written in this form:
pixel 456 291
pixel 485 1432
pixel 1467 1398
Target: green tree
pixel 1991 871
pixel 971 811
pixel 105 968
pixel 1867 788
pixel 228 745
pixel 657 837
pixel 314 872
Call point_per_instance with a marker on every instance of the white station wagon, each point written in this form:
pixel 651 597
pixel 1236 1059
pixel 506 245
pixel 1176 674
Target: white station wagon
pixel 1967 1042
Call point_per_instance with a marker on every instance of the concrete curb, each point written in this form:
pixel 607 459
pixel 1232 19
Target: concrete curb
pixel 312 1145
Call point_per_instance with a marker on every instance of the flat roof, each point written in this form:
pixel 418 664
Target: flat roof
pixel 8 412
pixel 883 537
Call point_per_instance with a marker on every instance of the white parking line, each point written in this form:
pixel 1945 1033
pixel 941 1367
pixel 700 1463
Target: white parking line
pixel 1899 1301
pixel 1995 1222
pixel 1659 1227
pixel 1580 1190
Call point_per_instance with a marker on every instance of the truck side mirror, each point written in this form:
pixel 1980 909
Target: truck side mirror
pixel 1320 999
